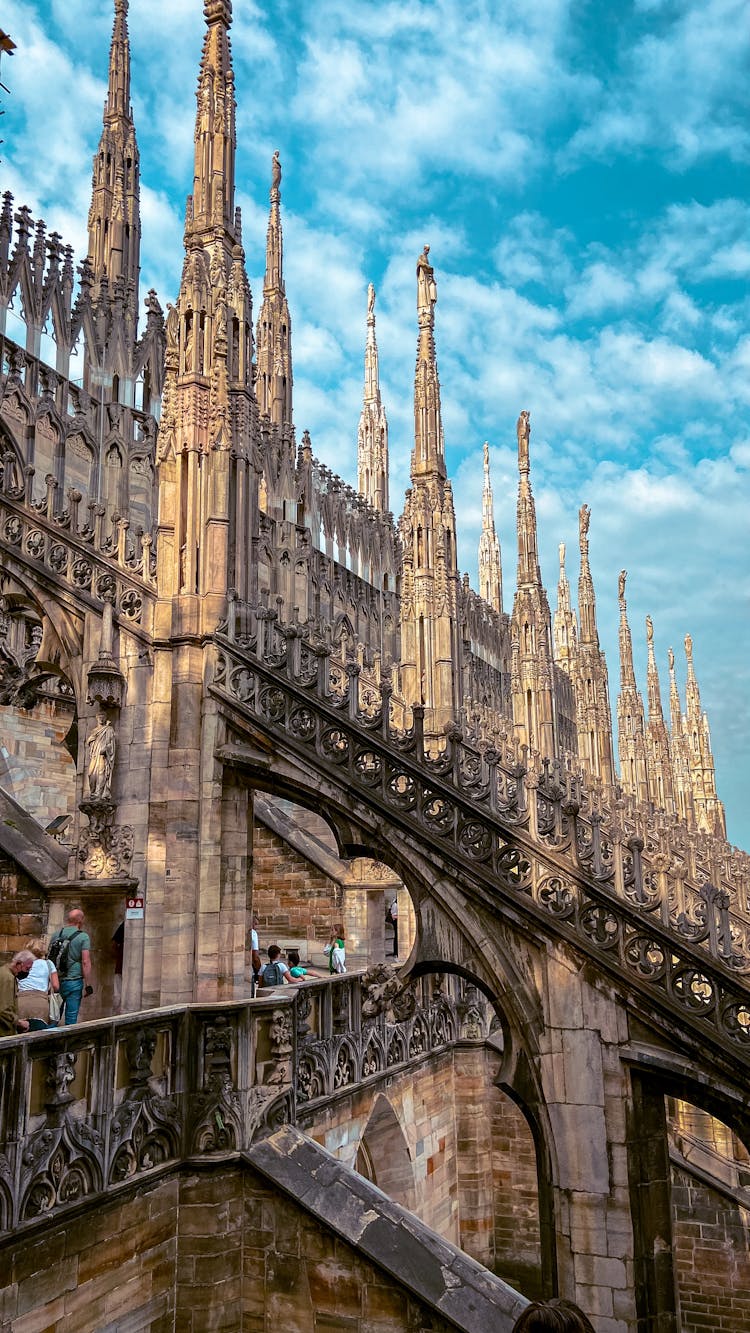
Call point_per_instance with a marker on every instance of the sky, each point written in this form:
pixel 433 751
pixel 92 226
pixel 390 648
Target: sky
pixel 580 171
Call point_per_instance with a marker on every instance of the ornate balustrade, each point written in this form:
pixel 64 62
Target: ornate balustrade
pixel 79 557
pixel 87 1110
pixel 530 835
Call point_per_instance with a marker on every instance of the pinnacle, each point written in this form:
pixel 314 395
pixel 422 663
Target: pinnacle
pixel 218 11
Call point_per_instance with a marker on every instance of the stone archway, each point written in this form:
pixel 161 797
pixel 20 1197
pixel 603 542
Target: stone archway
pixel 383 1154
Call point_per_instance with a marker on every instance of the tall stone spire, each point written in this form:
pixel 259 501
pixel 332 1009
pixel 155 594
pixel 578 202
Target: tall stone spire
pixel 209 412
pixel 490 568
pixel 114 221
pixel 372 435
pixel 533 696
pixel 564 628
pixel 657 737
pixel 210 208
pixel 630 716
pixel 428 457
pixel 430 640
pixel 274 329
pixel 709 810
pixel 593 713
pixel 682 785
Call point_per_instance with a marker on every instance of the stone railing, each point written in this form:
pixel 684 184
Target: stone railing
pixel 587 872
pixel 91 566
pixel 85 1111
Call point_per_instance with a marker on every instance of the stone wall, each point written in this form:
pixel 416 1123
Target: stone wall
pixel 218 1249
pixel 711 1237
pixel 291 897
pixel 424 1106
pixel 517 1247
pixel 35 767
pixel 23 909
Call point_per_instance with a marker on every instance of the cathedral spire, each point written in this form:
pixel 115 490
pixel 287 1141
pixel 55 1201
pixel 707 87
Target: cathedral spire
pixel 533 699
pixel 118 95
pixel 114 221
pixel 372 436
pixel 586 595
pixel 630 717
pixel 429 447
pixel 660 778
pixel 274 329
pixel 564 625
pixel 528 552
pixel 210 208
pixel 430 644
pixel 709 811
pixel 208 474
pixel 490 568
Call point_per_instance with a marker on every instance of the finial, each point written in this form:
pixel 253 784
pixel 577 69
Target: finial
pixel 426 285
pixel 370 303
pixel 584 518
pixel 523 431
pixel 561 554
pixel 650 632
pixel 121 7
pixel 275 173
pixel 670 659
pixel 218 11
pixel 621 585
pixel 689 648
pixel 486 456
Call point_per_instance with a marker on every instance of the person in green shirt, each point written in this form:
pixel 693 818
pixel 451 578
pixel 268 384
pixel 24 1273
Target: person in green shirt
pixel 19 966
pixel 74 973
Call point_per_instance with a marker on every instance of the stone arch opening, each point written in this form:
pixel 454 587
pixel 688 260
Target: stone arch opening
pixel 710 1208
pixel 303 887
pixel 383 1154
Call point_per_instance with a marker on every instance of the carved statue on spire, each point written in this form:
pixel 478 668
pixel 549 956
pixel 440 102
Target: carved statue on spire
pixel 486 456
pixel 621 584
pixel 561 555
pixel 370 301
pixel 523 431
pixel 670 659
pixel 584 518
pixel 426 285
pixel 275 171
pixel 649 630
pixel 688 648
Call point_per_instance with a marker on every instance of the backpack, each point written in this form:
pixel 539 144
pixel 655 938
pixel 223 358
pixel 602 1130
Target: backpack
pixel 272 975
pixel 59 951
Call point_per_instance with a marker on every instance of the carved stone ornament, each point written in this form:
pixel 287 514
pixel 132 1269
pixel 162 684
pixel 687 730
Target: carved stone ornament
pixel 105 850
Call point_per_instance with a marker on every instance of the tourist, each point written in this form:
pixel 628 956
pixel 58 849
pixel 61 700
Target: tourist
pixel 336 951
pixel 276 972
pixel 10 974
pixel 70 951
pixel 256 962
pixel 556 1316
pixel 35 990
pixel 393 918
pixel 295 969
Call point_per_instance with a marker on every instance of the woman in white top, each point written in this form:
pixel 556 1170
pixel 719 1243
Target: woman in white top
pixel 33 990
pixel 336 951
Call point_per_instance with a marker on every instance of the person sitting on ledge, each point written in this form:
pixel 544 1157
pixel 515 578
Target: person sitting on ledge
pixel 295 968
pixel 555 1316
pixel 10 974
pixel 276 972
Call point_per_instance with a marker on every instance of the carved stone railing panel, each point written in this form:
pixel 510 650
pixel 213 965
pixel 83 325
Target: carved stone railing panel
pixel 614 902
pixel 85 1111
pixel 79 563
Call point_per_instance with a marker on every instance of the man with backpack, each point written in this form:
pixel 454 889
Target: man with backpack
pixel 70 951
pixel 276 972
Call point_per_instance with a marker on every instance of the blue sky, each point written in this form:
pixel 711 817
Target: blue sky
pixel 580 171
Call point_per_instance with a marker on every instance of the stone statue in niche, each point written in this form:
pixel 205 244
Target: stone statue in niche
pixel 102 747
